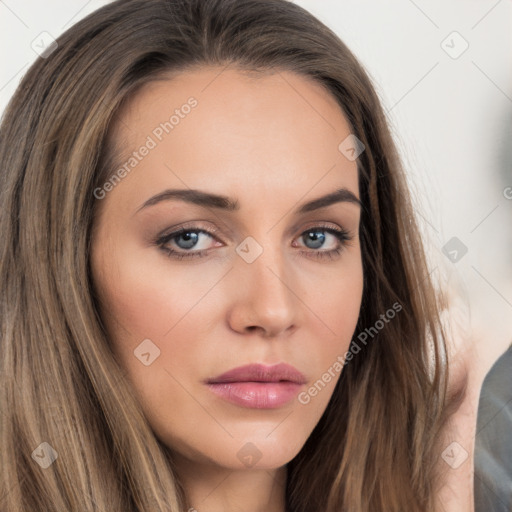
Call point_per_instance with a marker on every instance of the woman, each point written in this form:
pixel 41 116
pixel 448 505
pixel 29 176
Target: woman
pixel 170 341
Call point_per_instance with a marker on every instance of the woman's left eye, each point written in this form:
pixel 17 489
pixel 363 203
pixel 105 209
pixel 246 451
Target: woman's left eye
pixel 318 235
pixel 185 239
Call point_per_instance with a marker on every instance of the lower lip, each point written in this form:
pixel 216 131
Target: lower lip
pixel 257 395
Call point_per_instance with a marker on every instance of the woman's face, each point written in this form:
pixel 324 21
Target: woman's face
pixel 257 276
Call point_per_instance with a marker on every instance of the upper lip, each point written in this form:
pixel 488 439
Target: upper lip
pixel 281 372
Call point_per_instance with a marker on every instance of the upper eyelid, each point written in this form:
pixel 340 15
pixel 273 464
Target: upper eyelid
pixel 237 230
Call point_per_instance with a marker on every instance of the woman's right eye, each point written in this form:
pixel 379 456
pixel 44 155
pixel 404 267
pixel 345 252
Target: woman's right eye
pixel 185 239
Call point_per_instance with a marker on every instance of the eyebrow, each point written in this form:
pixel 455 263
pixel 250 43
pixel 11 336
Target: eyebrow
pixel 209 200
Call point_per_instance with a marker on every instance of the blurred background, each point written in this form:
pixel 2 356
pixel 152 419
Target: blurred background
pixel 443 72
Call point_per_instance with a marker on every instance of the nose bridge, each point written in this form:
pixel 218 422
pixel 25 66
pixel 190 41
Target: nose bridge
pixel 264 262
pixel 266 299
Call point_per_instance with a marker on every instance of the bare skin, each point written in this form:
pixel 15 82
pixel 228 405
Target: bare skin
pixel 271 143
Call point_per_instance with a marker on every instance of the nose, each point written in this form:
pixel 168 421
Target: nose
pixel 264 300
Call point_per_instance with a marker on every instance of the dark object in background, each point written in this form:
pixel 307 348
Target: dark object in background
pixel 493 444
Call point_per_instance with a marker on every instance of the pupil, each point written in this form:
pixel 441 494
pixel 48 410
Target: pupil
pixel 316 236
pixel 190 239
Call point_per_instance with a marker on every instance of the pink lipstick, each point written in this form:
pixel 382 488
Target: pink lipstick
pixel 258 386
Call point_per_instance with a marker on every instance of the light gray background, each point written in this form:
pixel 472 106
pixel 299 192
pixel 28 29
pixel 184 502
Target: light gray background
pixel 451 116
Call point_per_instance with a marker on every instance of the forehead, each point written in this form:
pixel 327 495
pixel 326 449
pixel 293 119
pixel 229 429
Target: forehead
pixel 221 86
pixel 274 130
pixel 234 101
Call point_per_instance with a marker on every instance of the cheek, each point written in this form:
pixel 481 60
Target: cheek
pixel 334 299
pixel 332 305
pixel 144 294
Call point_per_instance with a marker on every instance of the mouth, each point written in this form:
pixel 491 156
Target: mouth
pixel 258 386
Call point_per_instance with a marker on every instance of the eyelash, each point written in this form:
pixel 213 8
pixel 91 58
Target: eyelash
pixel 342 235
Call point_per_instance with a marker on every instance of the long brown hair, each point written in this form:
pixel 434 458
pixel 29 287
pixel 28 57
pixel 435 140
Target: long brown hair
pixel 376 446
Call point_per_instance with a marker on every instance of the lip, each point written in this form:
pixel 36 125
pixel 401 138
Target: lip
pixel 258 386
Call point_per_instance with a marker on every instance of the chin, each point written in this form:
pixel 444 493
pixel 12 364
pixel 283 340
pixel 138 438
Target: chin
pixel 264 451
pixel 251 452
